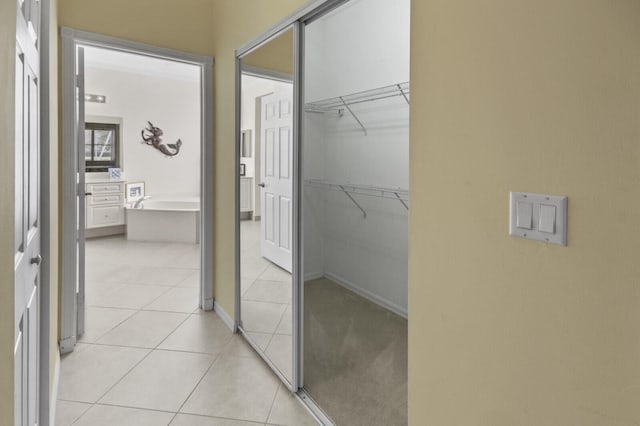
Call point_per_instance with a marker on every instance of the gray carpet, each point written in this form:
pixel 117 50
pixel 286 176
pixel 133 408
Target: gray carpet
pixel 355 357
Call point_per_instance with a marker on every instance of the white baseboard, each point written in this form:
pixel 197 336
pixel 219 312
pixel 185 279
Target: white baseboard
pixel 313 276
pixel 393 307
pixel 224 316
pixel 53 400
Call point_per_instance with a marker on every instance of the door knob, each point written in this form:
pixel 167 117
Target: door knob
pixel 36 260
pixel 262 185
pixel 88 193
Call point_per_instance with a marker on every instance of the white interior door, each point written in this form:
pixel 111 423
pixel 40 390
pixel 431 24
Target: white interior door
pixel 27 215
pixel 276 173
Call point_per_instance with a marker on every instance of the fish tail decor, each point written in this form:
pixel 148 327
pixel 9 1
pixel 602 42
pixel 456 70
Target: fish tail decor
pixel 154 139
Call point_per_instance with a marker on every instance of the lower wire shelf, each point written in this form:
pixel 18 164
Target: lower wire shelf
pixel 350 189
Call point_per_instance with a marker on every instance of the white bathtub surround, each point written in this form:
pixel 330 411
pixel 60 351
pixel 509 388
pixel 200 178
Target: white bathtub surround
pixel 165 219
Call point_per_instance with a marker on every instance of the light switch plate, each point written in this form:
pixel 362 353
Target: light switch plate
pixel 559 234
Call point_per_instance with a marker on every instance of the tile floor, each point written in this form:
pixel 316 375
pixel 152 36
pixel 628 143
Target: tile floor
pixel 150 357
pixel 266 301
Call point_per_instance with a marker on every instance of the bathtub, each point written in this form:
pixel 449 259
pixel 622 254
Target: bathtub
pixel 167 220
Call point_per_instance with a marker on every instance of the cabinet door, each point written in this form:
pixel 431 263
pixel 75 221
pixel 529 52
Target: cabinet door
pixel 246 195
pixel 98 216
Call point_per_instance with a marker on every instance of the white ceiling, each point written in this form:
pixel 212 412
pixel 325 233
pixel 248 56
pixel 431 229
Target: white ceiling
pixel 139 64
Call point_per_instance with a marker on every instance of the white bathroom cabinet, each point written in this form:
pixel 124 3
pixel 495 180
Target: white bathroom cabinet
pixel 104 205
pixel 246 194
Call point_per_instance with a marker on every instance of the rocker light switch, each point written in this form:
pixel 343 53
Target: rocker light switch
pixel 547 219
pixel 525 215
pixel 538 217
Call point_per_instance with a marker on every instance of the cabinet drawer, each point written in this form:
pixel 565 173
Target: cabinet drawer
pixel 102 188
pixel 99 199
pixel 98 216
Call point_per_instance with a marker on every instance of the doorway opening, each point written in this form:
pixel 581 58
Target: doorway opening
pixel 137 178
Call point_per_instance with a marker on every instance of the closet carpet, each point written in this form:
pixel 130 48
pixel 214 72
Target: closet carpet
pixel 355 357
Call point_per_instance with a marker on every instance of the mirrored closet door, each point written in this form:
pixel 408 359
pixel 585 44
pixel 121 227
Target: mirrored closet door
pixel 266 202
pixel 323 204
pixel 355 205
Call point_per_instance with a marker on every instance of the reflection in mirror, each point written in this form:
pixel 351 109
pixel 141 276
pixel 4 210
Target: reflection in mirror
pixel 246 145
pixel 266 208
pixel 355 208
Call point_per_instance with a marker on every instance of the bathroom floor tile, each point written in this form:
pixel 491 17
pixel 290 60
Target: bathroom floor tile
pixel 87 374
pixel 193 420
pixel 97 293
pixel 260 339
pixel 245 284
pixel 192 280
pixel 162 381
pixel 275 273
pixel 235 387
pixel 288 411
pixel 205 333
pixel 252 267
pixel 261 317
pixel 280 352
pixel 68 412
pixel 99 321
pixel 146 329
pixel 285 326
pixel 238 346
pixel 269 291
pixel 129 296
pixel 104 415
pixel 146 275
pixel 178 299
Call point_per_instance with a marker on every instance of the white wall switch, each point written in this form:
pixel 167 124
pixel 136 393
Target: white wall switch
pixel 538 217
pixel 547 219
pixel 524 216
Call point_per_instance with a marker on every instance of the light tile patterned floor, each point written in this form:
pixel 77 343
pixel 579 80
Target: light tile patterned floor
pixel 266 300
pixel 150 357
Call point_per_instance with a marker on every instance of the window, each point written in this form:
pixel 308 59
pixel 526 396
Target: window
pixel 101 146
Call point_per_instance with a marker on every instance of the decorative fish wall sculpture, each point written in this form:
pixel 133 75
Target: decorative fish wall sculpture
pixel 154 139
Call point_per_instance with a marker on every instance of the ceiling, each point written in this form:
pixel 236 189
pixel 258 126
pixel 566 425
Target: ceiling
pixel 115 60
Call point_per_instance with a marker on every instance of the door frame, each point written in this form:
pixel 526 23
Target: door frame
pixel 46 409
pixel 71 38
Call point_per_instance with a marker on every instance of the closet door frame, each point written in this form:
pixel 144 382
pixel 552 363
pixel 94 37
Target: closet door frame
pixel 297 20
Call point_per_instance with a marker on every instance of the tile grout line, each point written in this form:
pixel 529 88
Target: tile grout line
pixel 215 360
pixel 273 402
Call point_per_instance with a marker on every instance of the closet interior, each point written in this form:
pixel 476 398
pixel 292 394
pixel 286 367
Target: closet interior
pixel 355 206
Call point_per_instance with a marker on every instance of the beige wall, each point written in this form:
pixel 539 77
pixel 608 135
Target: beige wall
pixel 277 55
pixel 539 96
pixel 235 23
pixel 7 159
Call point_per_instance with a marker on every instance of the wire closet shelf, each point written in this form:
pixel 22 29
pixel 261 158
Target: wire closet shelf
pixel 349 189
pixel 341 103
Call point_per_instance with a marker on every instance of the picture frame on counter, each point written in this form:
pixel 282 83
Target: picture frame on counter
pixel 133 191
